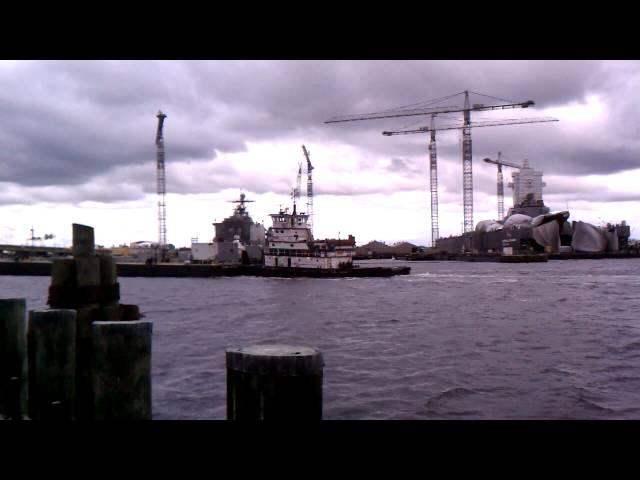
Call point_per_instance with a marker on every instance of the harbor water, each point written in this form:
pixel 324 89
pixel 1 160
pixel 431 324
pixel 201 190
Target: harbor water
pixel 453 340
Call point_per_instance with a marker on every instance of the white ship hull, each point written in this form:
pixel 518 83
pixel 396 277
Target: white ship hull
pixel 327 262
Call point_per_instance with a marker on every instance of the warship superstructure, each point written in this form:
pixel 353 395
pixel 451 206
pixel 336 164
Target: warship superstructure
pixel 238 239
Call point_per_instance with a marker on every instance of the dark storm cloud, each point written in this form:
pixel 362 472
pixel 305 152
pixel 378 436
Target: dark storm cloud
pixel 66 123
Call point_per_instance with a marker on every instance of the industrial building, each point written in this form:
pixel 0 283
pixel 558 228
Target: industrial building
pixel 375 249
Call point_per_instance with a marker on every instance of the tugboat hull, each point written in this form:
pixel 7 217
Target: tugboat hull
pixel 332 273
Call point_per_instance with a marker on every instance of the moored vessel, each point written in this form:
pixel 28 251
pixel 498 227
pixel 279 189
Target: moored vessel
pixel 290 244
pixel 291 250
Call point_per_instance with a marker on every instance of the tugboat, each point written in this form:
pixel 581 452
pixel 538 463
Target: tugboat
pixel 292 251
pixel 290 244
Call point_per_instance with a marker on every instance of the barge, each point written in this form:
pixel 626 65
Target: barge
pixel 43 269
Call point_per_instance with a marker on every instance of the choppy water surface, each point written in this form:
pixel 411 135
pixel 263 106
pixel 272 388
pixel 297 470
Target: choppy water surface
pixel 453 340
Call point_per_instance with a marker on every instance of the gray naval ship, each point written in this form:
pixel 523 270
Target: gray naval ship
pixel 238 239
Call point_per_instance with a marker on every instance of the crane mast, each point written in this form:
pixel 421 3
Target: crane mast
pixel 162 187
pixel 500 190
pixel 500 163
pixel 467 170
pixel 433 171
pixel 296 191
pixel 309 188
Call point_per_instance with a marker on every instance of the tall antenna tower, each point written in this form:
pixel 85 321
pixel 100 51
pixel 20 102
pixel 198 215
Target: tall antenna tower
pixel 162 188
pixel 309 188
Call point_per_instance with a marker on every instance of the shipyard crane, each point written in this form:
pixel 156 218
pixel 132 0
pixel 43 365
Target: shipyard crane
pixel 162 189
pixel 296 191
pixel 33 237
pixel 467 175
pixel 500 163
pixel 433 159
pixel 307 155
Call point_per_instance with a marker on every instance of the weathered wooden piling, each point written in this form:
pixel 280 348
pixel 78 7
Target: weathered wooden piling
pixel 51 347
pixel 84 397
pixel 13 358
pixel 83 241
pixel 274 382
pixel 121 370
pixel 87 283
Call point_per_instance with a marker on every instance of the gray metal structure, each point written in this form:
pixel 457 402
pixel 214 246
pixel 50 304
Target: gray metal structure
pixel 467 167
pixel 466 146
pixel 162 188
pixel 434 159
pixel 499 162
pixel 307 155
pixel 433 173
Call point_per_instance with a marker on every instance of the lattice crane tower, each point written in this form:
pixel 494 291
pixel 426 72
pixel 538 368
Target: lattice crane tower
pixel 307 155
pixel 162 188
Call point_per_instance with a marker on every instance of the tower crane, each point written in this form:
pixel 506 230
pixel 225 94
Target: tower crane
pixel 499 162
pixel 295 192
pixel 162 188
pixel 307 155
pixel 467 176
pixel 433 160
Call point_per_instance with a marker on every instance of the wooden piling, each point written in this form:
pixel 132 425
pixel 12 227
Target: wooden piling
pixel 13 358
pixel 84 396
pixel 83 241
pixel 274 382
pixel 121 370
pixel 110 290
pixel 89 284
pixel 108 270
pixel 63 272
pixel 88 272
pixel 51 347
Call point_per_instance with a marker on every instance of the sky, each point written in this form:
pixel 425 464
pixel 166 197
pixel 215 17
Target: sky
pixel 78 143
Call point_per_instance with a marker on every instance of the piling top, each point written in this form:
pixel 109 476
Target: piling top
pixel 283 360
pixel 11 302
pixel 53 313
pixel 83 241
pixel 52 316
pixel 119 327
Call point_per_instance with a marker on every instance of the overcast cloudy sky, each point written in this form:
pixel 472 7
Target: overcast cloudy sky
pixel 78 143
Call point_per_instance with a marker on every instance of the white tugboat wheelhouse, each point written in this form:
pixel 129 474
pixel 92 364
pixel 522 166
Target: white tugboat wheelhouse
pixel 290 243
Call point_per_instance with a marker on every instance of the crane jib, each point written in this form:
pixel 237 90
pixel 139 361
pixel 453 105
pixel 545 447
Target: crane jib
pixel 428 111
pixel 472 125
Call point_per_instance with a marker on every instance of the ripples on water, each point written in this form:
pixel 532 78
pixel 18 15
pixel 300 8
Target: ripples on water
pixel 453 340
